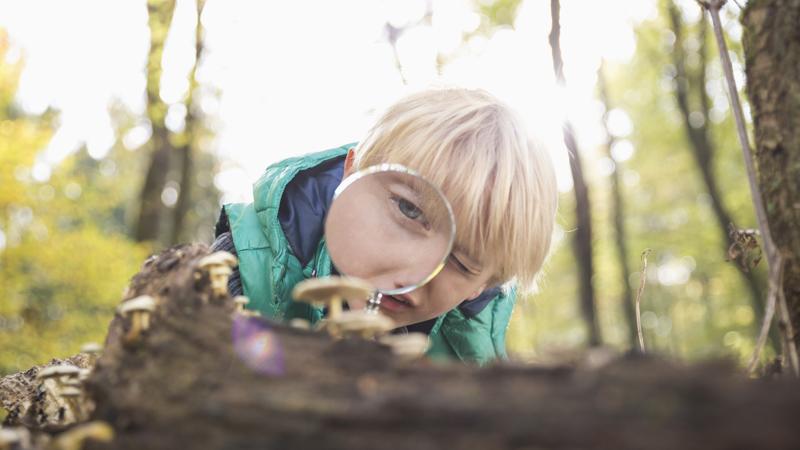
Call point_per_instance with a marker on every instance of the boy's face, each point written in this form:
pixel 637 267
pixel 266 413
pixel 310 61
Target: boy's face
pixel 389 263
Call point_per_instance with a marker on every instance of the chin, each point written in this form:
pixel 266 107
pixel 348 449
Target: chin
pixel 399 320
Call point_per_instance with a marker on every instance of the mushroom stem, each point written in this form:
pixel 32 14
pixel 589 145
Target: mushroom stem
pixel 135 328
pixel 75 438
pixel 335 307
pixel 76 409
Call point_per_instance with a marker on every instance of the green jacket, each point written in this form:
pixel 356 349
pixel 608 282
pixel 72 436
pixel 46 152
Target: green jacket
pixel 269 270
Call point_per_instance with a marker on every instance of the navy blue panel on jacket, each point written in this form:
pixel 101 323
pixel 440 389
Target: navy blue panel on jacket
pixel 473 307
pixel 304 206
pixel 302 213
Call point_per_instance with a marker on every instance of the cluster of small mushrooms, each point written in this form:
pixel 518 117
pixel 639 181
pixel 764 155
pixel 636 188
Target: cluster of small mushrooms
pixel 65 404
pixel 65 382
pixel 331 292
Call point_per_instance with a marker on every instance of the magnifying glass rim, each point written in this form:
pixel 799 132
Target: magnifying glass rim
pixel 387 167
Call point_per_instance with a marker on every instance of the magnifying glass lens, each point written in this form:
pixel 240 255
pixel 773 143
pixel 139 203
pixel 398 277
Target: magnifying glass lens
pixel 392 228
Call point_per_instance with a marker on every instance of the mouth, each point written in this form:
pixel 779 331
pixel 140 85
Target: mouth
pixel 396 303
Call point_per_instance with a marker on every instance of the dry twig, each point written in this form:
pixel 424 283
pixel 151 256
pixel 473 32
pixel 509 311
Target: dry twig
pixel 773 254
pixel 639 298
pixel 768 313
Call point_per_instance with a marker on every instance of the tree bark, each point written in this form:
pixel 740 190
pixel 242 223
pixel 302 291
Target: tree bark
pixel 152 209
pixel 202 376
pixel 703 150
pixel 771 42
pixel 582 239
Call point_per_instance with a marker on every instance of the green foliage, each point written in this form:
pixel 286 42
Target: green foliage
pixel 64 254
pixel 708 314
pixel 497 13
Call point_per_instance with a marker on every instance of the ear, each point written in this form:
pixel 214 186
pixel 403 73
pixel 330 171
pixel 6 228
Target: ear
pixel 477 292
pixel 349 167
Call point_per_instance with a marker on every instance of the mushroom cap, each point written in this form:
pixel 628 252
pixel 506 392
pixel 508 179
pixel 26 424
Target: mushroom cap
pixel 220 270
pixel 413 337
pixel 141 303
pixel 320 290
pixel 74 382
pixel 57 371
pixel 241 299
pixel 411 344
pixel 299 323
pixel 74 438
pixel 9 436
pixel 91 347
pixel 70 392
pixel 361 321
pixel 218 259
pixel 83 374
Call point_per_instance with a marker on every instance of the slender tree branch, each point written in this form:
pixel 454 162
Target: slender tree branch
pixel 775 281
pixel 769 245
pixel 785 326
pixel 773 255
pixel 639 298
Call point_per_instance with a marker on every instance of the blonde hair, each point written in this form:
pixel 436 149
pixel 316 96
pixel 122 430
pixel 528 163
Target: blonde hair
pixel 499 179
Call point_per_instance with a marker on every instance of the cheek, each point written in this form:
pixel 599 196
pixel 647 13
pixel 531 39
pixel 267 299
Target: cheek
pixel 449 289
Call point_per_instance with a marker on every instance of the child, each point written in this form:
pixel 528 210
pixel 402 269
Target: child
pixel 499 180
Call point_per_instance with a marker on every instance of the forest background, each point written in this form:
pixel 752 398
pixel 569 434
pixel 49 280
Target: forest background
pixel 125 126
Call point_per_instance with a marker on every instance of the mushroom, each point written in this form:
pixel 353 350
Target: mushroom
pixel 240 301
pixel 330 291
pixel 14 438
pixel 56 372
pixel 219 266
pixel 300 324
pixel 91 349
pixel 71 394
pixel 359 323
pixel 74 438
pixel 140 307
pixel 251 313
pixel 406 346
pixel 83 374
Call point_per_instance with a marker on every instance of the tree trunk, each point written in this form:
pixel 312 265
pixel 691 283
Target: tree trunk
pixel 703 151
pixel 151 209
pixel 771 42
pixel 189 139
pixel 582 239
pixel 628 300
pixel 202 376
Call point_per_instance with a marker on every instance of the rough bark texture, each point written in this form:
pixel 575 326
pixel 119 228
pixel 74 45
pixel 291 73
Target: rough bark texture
pixel 582 239
pixel 772 63
pixel 703 150
pixel 35 404
pixel 181 384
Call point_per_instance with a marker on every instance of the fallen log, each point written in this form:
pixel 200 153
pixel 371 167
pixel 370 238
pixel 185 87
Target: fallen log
pixel 203 376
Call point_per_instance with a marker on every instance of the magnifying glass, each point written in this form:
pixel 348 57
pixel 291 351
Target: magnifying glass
pixel 391 227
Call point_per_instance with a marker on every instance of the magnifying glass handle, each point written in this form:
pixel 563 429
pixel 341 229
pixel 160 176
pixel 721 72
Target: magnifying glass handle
pixel 374 303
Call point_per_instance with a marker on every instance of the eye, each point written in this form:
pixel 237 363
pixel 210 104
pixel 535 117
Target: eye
pixel 458 264
pixel 409 210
